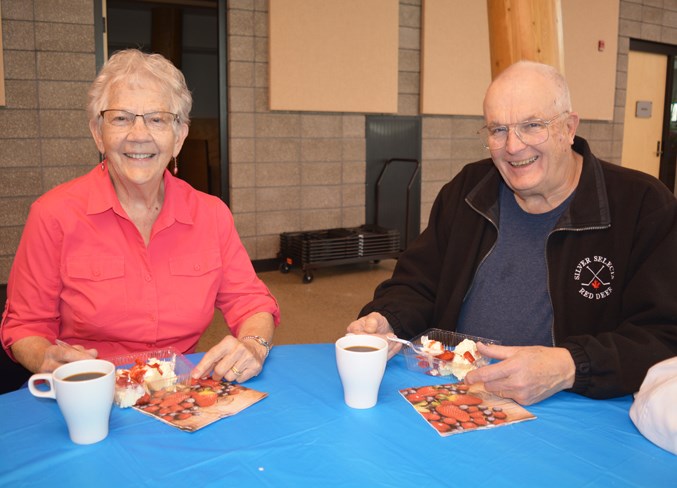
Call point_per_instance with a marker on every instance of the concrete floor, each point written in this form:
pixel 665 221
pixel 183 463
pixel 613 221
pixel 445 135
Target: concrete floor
pixel 315 312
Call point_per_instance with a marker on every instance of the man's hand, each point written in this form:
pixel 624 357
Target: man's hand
pixel 526 374
pixel 375 324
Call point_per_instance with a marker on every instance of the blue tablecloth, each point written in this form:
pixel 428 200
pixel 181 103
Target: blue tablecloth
pixel 303 434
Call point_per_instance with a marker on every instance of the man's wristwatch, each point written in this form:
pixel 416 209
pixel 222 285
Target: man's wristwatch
pixel 260 340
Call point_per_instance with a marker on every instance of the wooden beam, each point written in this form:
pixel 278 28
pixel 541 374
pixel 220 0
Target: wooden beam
pixel 525 30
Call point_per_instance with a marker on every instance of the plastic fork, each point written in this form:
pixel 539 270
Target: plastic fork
pixel 415 348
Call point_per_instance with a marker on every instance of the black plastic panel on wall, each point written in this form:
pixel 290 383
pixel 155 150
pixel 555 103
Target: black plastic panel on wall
pixel 395 138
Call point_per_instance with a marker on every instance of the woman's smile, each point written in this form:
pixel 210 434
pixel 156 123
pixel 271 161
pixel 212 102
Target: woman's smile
pixel 139 155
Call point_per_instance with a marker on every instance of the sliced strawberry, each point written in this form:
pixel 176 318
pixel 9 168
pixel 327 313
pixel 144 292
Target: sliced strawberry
pixel 446 356
pixel 448 409
pixel 144 400
pixel 440 426
pixel 430 416
pixel 465 399
pixel 481 421
pixel 427 391
pixel 205 397
pixel 415 398
pixel 209 383
pixel 468 355
pixel 173 399
pixel 123 379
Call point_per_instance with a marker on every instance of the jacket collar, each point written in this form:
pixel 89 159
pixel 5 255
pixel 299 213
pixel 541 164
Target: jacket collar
pixel 588 208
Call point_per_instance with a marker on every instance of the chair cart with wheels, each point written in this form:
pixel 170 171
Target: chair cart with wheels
pixel 332 247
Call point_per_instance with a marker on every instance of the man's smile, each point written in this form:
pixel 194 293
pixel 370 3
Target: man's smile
pixel 524 162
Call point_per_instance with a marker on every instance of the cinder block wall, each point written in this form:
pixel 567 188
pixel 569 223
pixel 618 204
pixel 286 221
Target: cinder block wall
pixel 44 138
pixel 294 171
pixel 299 171
pixel 289 170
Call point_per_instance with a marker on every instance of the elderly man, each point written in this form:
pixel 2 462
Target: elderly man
pixel 568 260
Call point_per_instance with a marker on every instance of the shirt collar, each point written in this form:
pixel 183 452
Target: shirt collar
pixel 102 197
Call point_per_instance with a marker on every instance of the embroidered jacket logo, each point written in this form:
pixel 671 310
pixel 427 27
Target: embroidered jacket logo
pixel 595 276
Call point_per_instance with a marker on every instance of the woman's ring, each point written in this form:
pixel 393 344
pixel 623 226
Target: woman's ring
pixel 236 371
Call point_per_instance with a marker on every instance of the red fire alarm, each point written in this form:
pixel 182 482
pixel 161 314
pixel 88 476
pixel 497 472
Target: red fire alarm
pixel 600 45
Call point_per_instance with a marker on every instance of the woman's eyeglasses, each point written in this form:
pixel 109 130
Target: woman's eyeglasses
pixel 155 121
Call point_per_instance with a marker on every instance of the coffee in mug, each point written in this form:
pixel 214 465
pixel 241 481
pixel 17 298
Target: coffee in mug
pixel 83 376
pixel 362 348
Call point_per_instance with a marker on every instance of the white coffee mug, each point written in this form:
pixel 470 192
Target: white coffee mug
pixel 84 391
pixel 361 361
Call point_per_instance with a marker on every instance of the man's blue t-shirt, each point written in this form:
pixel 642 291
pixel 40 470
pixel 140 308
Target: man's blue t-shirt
pixel 508 300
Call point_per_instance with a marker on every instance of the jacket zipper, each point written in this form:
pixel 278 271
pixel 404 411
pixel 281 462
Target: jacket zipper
pixel 472 282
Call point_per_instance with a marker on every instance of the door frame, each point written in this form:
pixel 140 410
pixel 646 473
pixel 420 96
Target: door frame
pixel 668 162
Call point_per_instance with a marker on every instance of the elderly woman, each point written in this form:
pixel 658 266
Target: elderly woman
pixel 128 258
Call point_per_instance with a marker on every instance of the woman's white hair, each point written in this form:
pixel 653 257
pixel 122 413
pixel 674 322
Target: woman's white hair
pixel 133 67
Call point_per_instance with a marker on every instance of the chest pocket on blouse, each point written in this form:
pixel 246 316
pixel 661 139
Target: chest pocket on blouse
pixel 195 281
pixel 195 264
pixel 95 290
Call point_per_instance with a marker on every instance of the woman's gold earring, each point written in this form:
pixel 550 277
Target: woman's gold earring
pixel 175 170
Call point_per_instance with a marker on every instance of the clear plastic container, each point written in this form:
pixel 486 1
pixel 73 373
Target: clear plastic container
pixel 182 367
pixel 432 366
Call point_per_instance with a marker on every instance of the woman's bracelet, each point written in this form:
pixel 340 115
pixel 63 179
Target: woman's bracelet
pixel 261 341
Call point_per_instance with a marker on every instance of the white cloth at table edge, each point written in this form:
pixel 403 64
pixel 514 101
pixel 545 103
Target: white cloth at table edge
pixel 654 411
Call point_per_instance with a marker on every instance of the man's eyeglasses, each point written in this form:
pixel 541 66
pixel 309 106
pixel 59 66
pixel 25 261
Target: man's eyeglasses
pixel 155 121
pixel 531 132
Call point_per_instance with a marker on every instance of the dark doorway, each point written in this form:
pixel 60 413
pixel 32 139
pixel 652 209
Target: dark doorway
pixel 187 33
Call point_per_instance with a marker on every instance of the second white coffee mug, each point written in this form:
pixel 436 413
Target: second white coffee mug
pixel 361 361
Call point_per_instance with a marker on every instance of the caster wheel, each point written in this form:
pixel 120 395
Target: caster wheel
pixel 307 277
pixel 284 268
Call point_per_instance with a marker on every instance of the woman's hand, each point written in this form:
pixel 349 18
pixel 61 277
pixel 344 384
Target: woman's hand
pixel 63 353
pixel 375 324
pixel 39 355
pixel 232 359
pixel 237 360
